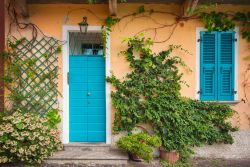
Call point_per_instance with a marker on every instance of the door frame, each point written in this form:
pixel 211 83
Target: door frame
pixel 65 68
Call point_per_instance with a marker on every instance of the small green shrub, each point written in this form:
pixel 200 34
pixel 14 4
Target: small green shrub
pixel 27 137
pixel 139 144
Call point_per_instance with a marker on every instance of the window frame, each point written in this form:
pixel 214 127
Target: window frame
pixel 197 88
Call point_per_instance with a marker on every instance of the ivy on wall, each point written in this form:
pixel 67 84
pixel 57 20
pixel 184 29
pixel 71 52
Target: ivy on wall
pixel 150 93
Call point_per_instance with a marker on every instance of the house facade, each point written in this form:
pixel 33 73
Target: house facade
pixel 216 60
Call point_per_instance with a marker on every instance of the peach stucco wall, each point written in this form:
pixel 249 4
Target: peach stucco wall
pixel 51 18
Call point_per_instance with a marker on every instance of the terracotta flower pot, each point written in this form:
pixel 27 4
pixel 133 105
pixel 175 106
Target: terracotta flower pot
pixel 171 157
pixel 135 158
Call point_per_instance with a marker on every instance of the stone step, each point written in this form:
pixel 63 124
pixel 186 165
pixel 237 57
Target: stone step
pixel 87 146
pixel 89 154
pixel 85 163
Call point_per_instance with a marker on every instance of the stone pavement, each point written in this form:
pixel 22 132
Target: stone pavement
pixel 221 162
pixel 196 163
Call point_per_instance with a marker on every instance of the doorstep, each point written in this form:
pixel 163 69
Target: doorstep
pixel 89 154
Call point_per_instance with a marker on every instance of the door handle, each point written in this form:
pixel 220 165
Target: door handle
pixel 88 94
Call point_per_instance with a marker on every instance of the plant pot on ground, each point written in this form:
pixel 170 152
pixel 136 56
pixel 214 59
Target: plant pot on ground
pixel 139 145
pixel 171 156
pixel 134 157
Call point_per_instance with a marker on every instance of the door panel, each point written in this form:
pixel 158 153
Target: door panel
pixel 78 136
pixel 87 98
pixel 79 64
pixel 78 111
pixel 96 136
pixel 78 86
pixel 96 126
pixel 79 118
pixel 79 102
pixel 96 71
pixel 96 86
pixel 95 110
pixel 79 126
pixel 96 103
pixel 96 118
pixel 96 79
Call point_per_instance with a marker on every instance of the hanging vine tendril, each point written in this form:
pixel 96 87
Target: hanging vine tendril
pixel 22 25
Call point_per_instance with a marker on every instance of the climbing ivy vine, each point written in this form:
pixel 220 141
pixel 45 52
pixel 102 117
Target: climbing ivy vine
pixel 150 93
pixel 213 21
pixel 218 21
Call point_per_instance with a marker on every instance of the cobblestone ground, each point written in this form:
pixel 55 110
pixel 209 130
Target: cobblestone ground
pixel 156 163
pixel 203 163
pixel 221 162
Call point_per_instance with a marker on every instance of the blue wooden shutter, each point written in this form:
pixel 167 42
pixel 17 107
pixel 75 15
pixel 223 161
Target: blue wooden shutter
pixel 226 65
pixel 208 66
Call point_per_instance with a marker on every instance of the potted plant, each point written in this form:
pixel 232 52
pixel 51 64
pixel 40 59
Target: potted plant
pixel 139 145
pixel 169 156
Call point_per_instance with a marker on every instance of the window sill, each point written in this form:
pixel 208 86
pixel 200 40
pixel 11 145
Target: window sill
pixel 234 102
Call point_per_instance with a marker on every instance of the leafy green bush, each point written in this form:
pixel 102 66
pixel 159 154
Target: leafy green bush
pixel 150 93
pixel 27 137
pixel 139 144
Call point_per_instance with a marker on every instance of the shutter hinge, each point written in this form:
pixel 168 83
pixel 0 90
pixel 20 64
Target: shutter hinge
pixel 235 39
pixel 234 92
pixel 199 40
pixel 68 78
pixel 199 92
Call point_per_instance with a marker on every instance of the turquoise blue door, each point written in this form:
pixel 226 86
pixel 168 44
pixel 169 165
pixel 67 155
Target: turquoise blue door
pixel 87 118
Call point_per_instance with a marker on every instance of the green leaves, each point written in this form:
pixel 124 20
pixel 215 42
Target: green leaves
pixel 110 21
pixel 244 19
pixel 53 118
pixel 139 144
pixel 19 125
pixel 150 93
pixel 217 21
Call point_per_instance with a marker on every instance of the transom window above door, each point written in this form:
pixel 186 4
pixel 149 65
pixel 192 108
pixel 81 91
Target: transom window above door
pixel 92 49
pixel 85 44
pixel 217 66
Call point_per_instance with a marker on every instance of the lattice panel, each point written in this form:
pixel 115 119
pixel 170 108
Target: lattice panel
pixel 37 82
